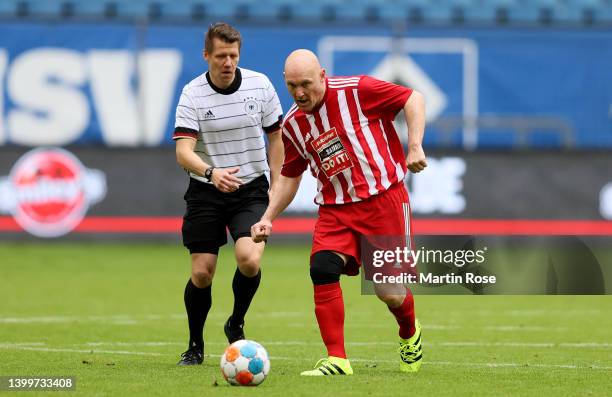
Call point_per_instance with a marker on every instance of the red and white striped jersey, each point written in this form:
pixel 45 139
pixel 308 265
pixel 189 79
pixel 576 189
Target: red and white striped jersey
pixel 348 139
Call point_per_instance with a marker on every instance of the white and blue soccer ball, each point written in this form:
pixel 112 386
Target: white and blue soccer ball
pixel 245 363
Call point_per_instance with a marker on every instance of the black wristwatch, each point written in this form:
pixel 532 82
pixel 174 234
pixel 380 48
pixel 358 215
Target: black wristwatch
pixel 208 174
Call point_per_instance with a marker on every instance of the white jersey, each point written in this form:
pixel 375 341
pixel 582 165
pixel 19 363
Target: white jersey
pixel 228 124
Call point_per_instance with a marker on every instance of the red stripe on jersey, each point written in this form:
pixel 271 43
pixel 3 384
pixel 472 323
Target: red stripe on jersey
pixel 367 150
pixel 341 177
pixel 387 155
pixel 395 146
pixel 334 116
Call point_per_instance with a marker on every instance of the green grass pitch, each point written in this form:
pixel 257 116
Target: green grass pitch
pixel 112 315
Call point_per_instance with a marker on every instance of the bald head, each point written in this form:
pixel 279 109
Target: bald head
pixel 305 78
pixel 302 61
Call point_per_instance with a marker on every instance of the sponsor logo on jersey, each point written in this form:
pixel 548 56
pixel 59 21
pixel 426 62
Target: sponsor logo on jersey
pixel 334 157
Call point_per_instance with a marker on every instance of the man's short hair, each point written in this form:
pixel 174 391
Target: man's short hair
pixel 221 31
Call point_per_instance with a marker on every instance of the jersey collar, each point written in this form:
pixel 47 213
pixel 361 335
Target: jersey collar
pixel 231 88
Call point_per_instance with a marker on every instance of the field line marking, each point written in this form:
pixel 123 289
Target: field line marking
pixel 568 345
pixel 62 350
pixel 366 360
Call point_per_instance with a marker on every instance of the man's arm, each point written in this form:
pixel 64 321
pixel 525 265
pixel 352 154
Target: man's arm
pixel 223 179
pixel 283 195
pixel 276 155
pixel 186 157
pixel 414 111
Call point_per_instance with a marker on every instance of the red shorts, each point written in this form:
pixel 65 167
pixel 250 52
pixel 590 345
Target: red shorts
pixel 341 227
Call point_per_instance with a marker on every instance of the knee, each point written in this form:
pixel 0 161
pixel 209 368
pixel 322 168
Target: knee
pixel 325 267
pixel 391 300
pixel 201 278
pixel 202 274
pixel 248 264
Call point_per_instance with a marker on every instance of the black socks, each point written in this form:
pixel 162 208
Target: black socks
pixel 244 289
pixel 197 304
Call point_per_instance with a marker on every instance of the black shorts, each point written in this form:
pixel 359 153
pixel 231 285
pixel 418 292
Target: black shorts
pixel 209 212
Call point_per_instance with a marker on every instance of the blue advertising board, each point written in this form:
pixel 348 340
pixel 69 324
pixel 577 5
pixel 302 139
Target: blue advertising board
pixel 118 84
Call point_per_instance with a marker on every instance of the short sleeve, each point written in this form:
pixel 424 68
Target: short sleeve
pixel 382 99
pixel 272 109
pixel 294 164
pixel 186 124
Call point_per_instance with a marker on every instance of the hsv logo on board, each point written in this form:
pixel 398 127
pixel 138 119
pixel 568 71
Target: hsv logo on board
pixel 49 191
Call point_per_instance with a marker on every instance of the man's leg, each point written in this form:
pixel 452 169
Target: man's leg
pixel 244 285
pixel 400 303
pixel 325 270
pixel 198 301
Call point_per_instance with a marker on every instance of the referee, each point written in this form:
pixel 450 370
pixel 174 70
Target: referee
pixel 221 119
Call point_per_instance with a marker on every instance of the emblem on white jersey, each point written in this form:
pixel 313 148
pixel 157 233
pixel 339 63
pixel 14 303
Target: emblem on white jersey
pixel 251 106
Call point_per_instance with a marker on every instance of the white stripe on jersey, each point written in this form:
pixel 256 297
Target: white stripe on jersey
pixel 314 132
pixel 367 133
pixel 347 174
pixel 296 128
pixel 300 138
pixel 343 85
pixel 406 209
pixel 343 79
pixel 398 167
pixel 229 126
pixel 343 82
pixel 359 152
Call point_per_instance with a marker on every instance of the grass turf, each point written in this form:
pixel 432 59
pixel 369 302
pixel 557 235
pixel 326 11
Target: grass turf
pixel 112 315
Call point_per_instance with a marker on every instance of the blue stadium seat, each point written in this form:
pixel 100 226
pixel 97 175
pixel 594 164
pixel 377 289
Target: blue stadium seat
pixel 533 12
pixel 584 11
pixel 430 11
pixel 267 10
pixel 489 11
pixel 200 9
pixel 604 13
pixel 8 8
pixel 45 8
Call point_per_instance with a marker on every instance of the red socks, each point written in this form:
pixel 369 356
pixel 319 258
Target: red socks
pixel 404 314
pixel 329 309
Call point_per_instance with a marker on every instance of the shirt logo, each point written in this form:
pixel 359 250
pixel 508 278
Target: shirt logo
pixel 334 157
pixel 209 115
pixel 251 106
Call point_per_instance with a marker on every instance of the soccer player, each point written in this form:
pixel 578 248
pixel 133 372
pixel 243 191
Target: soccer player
pixel 342 127
pixel 221 119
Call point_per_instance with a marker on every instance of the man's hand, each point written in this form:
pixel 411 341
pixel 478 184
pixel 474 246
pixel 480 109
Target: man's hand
pixel 261 230
pixel 416 159
pixel 224 179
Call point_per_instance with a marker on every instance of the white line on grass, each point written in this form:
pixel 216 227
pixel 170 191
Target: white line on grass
pixel 366 360
pixel 457 364
pixel 131 319
pixel 61 350
pixel 384 343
